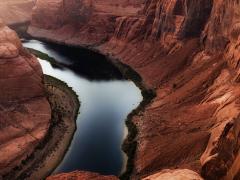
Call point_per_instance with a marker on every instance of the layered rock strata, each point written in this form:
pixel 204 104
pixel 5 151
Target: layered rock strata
pixel 16 11
pixel 24 111
pixel 88 21
pixel 188 51
pixel 78 175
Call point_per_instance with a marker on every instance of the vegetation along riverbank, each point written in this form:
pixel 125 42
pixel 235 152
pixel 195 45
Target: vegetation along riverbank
pixel 130 143
pixel 50 152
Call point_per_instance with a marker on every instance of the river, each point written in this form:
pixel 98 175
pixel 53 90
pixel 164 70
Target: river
pixel 106 100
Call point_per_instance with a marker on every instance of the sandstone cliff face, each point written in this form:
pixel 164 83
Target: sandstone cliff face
pixel 24 110
pixel 78 18
pixel 78 175
pixel 16 11
pixel 188 51
pixel 179 174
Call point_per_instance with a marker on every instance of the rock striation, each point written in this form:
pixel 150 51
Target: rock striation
pixel 24 110
pixel 76 19
pixel 179 174
pixel 16 11
pixel 188 52
pixel 78 175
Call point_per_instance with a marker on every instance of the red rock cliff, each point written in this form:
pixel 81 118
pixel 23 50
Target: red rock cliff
pixel 79 175
pixel 16 11
pixel 188 51
pixel 24 110
pixel 76 18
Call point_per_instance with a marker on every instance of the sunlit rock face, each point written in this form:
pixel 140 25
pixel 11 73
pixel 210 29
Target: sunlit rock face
pixel 179 174
pixel 16 11
pixel 24 110
pixel 86 21
pixel 188 51
pixel 80 175
pixel 166 21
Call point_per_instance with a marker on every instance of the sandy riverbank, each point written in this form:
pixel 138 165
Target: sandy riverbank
pixel 50 152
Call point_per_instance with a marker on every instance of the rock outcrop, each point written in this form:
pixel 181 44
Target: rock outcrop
pixel 81 175
pixel 16 11
pixel 86 21
pixel 188 51
pixel 24 111
pixel 179 174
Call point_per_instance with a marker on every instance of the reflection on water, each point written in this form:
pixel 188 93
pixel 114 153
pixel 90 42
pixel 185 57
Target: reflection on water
pixel 86 63
pixel 105 104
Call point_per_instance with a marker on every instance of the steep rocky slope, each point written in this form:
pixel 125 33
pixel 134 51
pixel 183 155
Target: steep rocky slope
pixel 16 11
pixel 86 21
pixel 188 51
pixel 78 175
pixel 24 110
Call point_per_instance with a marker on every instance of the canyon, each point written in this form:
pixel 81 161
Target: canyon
pixel 187 51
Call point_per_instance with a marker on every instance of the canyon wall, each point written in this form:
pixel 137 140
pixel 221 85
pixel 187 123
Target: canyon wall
pixel 188 52
pixel 86 21
pixel 16 11
pixel 81 175
pixel 24 110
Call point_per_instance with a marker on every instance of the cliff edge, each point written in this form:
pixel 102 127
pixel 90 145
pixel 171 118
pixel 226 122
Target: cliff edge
pixel 24 110
pixel 188 52
pixel 16 11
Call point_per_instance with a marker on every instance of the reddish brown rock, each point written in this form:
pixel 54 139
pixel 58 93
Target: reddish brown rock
pixel 16 11
pixel 86 21
pixel 24 111
pixel 188 51
pixel 179 174
pixel 81 175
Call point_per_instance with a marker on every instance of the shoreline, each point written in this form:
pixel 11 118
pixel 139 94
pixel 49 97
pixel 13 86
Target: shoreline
pixel 51 150
pixel 129 145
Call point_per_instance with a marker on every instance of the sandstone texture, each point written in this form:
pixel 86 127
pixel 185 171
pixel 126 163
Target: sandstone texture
pixel 81 175
pixel 24 111
pixel 16 11
pixel 188 51
pixel 78 18
pixel 179 174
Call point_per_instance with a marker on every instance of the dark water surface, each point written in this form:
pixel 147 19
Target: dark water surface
pixel 106 100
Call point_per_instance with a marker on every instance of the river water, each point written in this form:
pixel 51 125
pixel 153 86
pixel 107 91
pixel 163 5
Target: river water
pixel 106 100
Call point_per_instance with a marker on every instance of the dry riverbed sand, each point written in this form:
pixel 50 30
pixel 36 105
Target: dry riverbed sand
pixel 50 152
